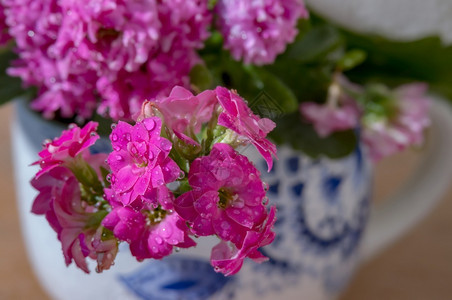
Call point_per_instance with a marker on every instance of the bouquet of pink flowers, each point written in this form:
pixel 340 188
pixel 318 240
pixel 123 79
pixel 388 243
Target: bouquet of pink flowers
pixel 172 176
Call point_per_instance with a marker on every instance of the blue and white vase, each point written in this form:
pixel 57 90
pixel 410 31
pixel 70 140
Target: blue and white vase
pixel 323 207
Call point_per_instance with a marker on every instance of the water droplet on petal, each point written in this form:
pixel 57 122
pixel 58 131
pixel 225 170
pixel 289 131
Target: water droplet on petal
pixel 92 134
pixel 158 240
pixel 177 249
pixel 46 142
pixel 113 126
pixel 225 225
pixel 265 185
pixel 114 137
pixel 149 124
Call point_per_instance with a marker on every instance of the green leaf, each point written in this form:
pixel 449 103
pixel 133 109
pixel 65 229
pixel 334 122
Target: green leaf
pixel 351 59
pixel 10 87
pixel 394 62
pixel 201 77
pixel 315 44
pixel 276 92
pixel 301 136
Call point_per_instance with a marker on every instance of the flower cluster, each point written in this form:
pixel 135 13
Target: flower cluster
pixel 117 52
pixel 171 177
pixel 258 30
pixel 86 56
pixel 390 121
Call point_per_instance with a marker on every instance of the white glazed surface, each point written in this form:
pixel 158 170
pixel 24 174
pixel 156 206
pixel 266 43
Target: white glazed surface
pixel 322 211
pixel 398 19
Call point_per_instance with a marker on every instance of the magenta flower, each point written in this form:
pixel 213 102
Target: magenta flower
pixel 328 119
pixel 385 137
pixel 73 219
pixel 228 258
pixel 158 240
pixel 258 30
pixel 226 196
pixel 119 52
pixel 65 148
pixel 140 163
pixel 238 117
pixel 185 113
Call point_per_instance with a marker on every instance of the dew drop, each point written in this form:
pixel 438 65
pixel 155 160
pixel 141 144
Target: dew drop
pixel 119 158
pixel 265 185
pixel 114 137
pixel 72 126
pixel 225 225
pixel 113 126
pixel 177 249
pixel 109 178
pixel 181 175
pixel 31 33
pixel 92 134
pixel 265 201
pixel 159 240
pixel 46 142
pixel 149 124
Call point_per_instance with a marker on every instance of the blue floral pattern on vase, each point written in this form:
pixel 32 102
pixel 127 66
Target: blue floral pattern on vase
pixel 177 277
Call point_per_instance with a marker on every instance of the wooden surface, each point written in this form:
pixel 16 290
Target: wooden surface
pixel 418 266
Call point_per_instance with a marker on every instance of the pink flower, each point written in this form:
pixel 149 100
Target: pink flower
pixel 126 223
pixel 185 113
pixel 76 223
pixel 72 142
pixel 238 117
pixel 328 119
pixel 152 231
pixel 228 258
pixel 258 30
pixel 226 196
pixel 121 52
pixel 385 137
pixel 158 240
pixel 140 163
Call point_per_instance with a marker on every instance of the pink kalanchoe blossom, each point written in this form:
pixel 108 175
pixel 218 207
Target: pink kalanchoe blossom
pixel 184 114
pixel 228 258
pixel 158 240
pixel 226 196
pixel 238 117
pixel 119 52
pixel 140 164
pixel 258 30
pixel 76 223
pixel 65 148
pixel 328 119
pixel 152 232
pixel 388 136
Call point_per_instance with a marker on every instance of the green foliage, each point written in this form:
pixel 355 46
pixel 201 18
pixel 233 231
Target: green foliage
pixel 292 130
pixel 10 87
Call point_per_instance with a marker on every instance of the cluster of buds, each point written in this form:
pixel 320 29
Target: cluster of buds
pixel 173 176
